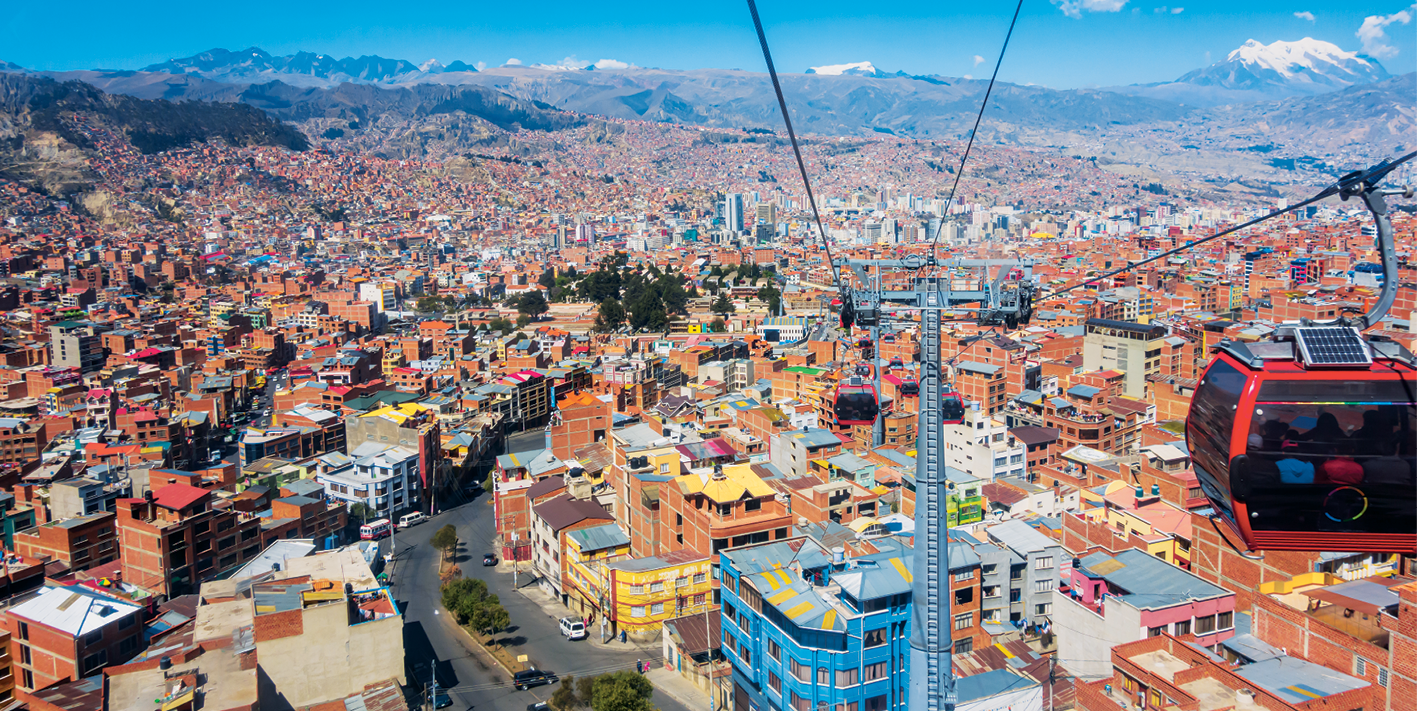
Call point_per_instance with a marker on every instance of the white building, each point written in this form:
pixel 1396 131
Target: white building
pixel 382 477
pixel 983 447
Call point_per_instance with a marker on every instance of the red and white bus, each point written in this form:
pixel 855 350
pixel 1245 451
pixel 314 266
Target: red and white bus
pixel 374 530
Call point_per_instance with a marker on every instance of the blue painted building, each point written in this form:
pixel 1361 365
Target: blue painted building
pixel 805 633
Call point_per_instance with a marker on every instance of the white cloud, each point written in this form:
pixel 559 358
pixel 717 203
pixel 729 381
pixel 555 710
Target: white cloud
pixel 1177 10
pixel 612 64
pixel 1159 10
pixel 481 66
pixel 1173 10
pixel 1305 15
pixel 514 62
pixel 970 77
pixel 1075 8
pixel 1374 37
pixel 978 60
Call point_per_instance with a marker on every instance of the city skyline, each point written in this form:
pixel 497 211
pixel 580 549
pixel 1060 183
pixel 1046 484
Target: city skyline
pixel 1063 44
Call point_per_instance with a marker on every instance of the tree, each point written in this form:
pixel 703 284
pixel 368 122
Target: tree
pixel 446 539
pixel 718 325
pixel 770 295
pixel 610 317
pixel 489 617
pixel 500 324
pixel 622 691
pixel 723 306
pixel 362 511
pixel 585 690
pixel 548 278
pixel 523 320
pixel 428 304
pixel 533 303
pixel 565 698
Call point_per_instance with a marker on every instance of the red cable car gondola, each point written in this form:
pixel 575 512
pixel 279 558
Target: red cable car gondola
pixel 910 388
pixel 1309 442
pixel 896 362
pixel 952 408
pixel 863 370
pixel 856 403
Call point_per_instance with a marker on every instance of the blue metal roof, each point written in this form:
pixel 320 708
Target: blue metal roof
pixel 1298 681
pixel 1147 582
pixel 598 538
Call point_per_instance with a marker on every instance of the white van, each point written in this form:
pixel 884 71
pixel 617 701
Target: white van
pixel 413 519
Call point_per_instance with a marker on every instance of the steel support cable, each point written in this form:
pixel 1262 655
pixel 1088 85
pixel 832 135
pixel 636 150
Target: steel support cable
pixel 792 136
pixel 1335 189
pixel 934 243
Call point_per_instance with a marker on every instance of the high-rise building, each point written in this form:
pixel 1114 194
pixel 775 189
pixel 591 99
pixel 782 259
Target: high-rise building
pixel 733 212
pixel 585 233
pixel 767 213
pixel 75 345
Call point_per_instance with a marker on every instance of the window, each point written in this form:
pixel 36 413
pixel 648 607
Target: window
pixel 1382 677
pixel 846 677
pixel 801 671
pixel 637 611
pixel 966 575
pixel 964 621
pixel 876 703
pixel 95 661
pixel 774 650
pixel 774 682
pixel 93 637
pixel 823 676
pixel 1205 625
pixel 127 622
pixel 1043 609
pixel 1155 699
pixel 699 599
pixel 128 645
pixel 879 670
pixel 25 653
pixel 637 589
pixel 1183 628
pixel 24 630
pixel 989 569
pixel 1156 631
pixel 27 679
pixel 730 612
pixel 1042 586
pixel 699 578
pixel 799 703
pixel 658 608
pixel 752 505
pixel 875 638
pixel 964 645
pixel 1016 573
pixel 1225 620
pixel 1015 594
pixel 656 587
pixel 1360 667
pixel 1043 562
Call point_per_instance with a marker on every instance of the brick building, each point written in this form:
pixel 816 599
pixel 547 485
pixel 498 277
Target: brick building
pixel 68 633
pixel 82 542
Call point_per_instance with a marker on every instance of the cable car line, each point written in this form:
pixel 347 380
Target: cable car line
pixel 975 131
pixel 792 136
pixel 1343 186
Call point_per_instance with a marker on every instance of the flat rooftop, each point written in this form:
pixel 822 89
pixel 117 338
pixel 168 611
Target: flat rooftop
pixel 1161 663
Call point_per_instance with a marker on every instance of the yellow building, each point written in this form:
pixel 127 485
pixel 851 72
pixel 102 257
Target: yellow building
pixel 588 553
pixel 644 592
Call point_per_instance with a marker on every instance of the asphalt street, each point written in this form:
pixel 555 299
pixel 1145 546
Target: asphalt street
pixel 433 639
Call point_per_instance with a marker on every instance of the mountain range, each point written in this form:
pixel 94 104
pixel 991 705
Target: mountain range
pixel 1314 98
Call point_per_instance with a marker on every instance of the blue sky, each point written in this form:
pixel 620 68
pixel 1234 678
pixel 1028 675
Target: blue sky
pixel 1063 43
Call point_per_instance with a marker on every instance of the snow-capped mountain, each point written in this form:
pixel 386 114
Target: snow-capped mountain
pixel 254 64
pixel 862 69
pixel 1308 66
pixel 1265 72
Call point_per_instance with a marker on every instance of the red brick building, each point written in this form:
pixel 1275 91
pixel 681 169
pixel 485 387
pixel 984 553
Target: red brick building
pixel 83 542
pixel 68 633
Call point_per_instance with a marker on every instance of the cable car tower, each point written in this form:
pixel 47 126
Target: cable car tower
pixel 932 683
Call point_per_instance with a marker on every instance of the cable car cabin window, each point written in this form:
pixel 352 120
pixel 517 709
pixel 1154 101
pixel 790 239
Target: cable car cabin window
pixel 1324 466
pixel 1212 419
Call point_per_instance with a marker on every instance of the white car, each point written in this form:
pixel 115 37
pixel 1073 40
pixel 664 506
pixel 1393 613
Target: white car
pixel 572 628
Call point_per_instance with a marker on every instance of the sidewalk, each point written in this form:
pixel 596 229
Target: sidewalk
pixel 677 687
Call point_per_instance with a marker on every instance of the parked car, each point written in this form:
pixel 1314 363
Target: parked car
pixel 524 680
pixel 538 706
pixel 413 519
pixel 489 559
pixel 441 700
pixel 572 628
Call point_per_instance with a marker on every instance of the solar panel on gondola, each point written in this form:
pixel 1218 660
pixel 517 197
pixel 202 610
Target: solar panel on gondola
pixel 1333 346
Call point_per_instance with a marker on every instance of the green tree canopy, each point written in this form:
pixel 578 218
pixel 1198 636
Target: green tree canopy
pixel 610 317
pixel 723 305
pixel 622 691
pixel 533 303
pixel 548 278
pixel 500 324
pixel 445 539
